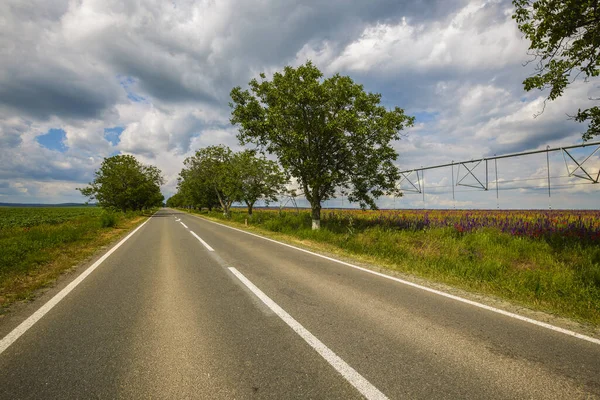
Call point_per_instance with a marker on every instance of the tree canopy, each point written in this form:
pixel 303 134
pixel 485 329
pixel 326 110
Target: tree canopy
pixel 123 183
pixel 327 133
pixel 565 41
pixel 177 200
pixel 259 178
pixel 194 187
pixel 213 169
pixel 216 175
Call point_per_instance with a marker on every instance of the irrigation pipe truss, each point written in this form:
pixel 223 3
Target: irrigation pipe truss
pixel 480 180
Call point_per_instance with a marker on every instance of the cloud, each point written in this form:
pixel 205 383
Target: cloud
pixel 153 78
pixel 478 36
pixel 11 130
pixel 41 76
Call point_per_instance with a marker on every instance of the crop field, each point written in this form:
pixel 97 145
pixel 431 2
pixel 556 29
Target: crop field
pixel 25 217
pixel 37 244
pixel 547 260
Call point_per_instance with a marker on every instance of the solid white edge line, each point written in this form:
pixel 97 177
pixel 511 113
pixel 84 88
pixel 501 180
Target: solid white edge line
pixel 43 310
pixel 184 225
pixel 202 241
pixel 349 373
pixel 425 288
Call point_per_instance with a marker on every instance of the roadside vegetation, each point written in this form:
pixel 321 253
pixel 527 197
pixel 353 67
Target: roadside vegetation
pixel 38 244
pixel 545 260
pixel 330 137
pixel 123 183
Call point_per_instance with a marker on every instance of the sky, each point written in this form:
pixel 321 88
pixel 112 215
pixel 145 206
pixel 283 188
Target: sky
pixel 81 80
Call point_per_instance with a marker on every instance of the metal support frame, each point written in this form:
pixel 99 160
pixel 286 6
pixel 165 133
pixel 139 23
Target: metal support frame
pixel 548 169
pixel 470 171
pixel 496 170
pixel 406 177
pixel 587 176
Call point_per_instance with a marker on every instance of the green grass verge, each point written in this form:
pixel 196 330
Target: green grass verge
pixel 39 244
pixel 561 277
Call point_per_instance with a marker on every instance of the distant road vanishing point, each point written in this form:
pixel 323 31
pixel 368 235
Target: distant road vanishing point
pixel 185 308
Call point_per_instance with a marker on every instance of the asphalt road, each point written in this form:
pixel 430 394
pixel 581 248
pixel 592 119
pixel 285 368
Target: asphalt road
pixel 168 316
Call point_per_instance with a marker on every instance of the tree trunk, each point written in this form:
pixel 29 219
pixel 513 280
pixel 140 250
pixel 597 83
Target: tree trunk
pixel 250 205
pixel 223 203
pixel 226 207
pixel 316 217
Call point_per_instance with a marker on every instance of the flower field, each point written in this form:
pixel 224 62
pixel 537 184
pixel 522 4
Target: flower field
pixel 583 225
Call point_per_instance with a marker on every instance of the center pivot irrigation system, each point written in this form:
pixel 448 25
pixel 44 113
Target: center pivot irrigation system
pixel 414 183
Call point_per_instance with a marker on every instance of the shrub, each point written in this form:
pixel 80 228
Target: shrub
pixel 108 219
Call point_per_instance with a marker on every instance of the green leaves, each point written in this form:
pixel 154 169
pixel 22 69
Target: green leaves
pixel 327 133
pixel 216 175
pixel 565 41
pixel 593 115
pixel 259 178
pixel 123 183
pixel 211 174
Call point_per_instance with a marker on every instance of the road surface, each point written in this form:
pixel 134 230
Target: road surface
pixel 221 314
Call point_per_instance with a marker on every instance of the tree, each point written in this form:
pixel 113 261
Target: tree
pixel 123 183
pixel 195 188
pixel 177 200
pixel 259 178
pixel 213 170
pixel 565 42
pixel 328 134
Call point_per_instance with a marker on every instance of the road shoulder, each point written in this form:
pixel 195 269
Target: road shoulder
pixel 16 312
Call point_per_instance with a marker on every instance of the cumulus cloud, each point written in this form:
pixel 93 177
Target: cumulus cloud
pixel 162 71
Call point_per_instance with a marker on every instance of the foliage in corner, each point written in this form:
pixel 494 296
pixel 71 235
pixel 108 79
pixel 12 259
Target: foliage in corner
pixel 565 41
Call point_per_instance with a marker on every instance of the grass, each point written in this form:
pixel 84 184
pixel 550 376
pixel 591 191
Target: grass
pixel 39 244
pixel 556 275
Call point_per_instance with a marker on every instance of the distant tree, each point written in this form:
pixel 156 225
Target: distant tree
pixel 259 178
pixel 565 42
pixel 123 183
pixel 214 171
pixel 196 188
pixel 327 133
pixel 177 200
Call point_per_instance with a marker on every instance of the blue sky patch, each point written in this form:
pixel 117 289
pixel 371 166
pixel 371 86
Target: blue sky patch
pixel 127 83
pixel 424 116
pixel 136 98
pixel 113 135
pixel 54 140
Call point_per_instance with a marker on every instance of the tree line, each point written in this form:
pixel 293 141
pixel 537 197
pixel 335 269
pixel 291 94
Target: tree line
pixel 123 183
pixel 217 177
pixel 327 134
